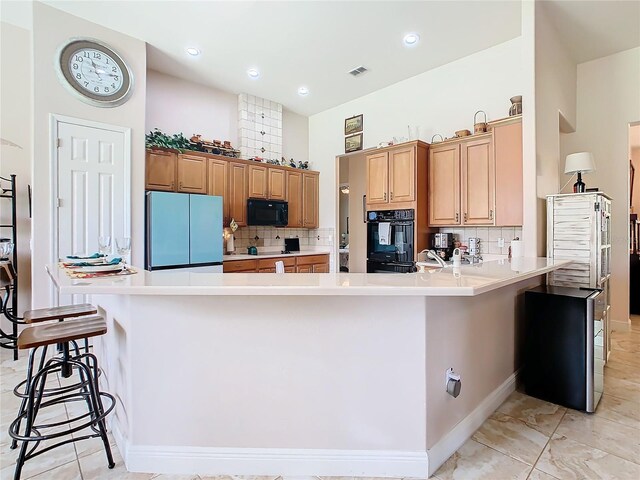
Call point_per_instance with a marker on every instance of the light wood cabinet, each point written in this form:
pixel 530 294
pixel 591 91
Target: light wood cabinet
pixel 258 181
pixel 218 184
pixel 312 264
pixel 277 184
pixel 478 182
pixel 391 177
pixel 507 149
pixel 462 183
pixel 378 178
pixel 444 185
pixel 236 181
pixel 238 192
pixel 310 199
pixel 192 173
pixel 160 171
pixel 294 198
pixel 294 264
pixel 402 175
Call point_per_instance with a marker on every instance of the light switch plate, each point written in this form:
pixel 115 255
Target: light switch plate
pixel 500 242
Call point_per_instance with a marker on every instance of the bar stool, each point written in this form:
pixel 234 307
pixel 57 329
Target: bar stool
pixel 59 313
pixel 87 389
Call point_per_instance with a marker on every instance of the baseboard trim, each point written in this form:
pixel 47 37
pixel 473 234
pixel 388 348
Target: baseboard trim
pixel 451 442
pixel 274 461
pixel 620 325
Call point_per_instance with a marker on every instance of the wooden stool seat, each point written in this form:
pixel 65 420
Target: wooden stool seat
pixel 52 333
pixel 59 313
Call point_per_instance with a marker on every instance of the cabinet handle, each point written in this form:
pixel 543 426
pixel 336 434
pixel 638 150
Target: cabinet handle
pixel 457 217
pixel 490 214
pixel 180 185
pixel 391 195
pixel 385 195
pixel 465 217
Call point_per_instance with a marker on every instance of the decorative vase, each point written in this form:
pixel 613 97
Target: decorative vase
pixel 516 107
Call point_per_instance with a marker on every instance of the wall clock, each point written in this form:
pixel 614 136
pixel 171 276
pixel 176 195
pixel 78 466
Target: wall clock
pixel 94 72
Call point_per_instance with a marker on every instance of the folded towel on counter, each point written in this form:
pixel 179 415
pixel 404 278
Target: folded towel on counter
pixel 113 261
pixel 384 233
pixel 83 257
pixel 279 266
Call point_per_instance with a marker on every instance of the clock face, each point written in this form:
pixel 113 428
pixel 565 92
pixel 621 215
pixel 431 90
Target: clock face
pixel 95 72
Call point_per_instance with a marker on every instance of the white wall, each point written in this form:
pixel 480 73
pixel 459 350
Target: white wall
pixel 441 100
pixel 555 84
pixel 608 100
pixel 15 126
pixel 52 28
pixel 175 105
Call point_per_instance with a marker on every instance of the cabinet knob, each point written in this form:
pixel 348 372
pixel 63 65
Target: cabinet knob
pixel 385 195
pixel 457 217
pixel 490 214
pixel 465 217
pixel 391 195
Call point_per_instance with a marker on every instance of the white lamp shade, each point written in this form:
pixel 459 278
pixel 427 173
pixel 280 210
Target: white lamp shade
pixel 580 162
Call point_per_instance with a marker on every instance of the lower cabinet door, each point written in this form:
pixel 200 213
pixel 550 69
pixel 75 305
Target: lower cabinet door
pixel 304 268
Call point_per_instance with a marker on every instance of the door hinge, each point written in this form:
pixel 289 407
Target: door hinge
pixel 58 142
pixel 597 206
pixel 58 202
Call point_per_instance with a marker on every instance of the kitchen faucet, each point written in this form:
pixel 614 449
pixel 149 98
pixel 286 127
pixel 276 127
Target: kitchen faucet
pixel 434 256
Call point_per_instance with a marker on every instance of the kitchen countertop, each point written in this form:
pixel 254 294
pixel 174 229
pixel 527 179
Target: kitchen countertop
pixel 273 254
pixel 468 280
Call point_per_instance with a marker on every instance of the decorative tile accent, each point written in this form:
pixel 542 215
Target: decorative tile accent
pixel 258 122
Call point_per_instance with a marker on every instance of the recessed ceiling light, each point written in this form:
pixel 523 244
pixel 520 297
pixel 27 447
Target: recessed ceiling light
pixel 410 39
pixel 193 51
pixel 253 73
pixel 303 91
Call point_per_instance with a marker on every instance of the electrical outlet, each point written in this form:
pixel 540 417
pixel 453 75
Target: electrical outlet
pixel 501 242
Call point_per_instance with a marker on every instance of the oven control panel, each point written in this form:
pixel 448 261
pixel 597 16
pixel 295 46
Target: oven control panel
pixel 390 215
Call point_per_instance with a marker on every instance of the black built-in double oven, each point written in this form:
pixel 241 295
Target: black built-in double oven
pixel 390 245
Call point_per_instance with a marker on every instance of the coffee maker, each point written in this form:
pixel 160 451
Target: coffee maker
pixel 442 243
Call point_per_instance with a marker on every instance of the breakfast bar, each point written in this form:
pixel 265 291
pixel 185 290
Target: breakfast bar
pixel 280 374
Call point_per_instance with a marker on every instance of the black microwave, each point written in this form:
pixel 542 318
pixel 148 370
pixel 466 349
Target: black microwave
pixel 267 212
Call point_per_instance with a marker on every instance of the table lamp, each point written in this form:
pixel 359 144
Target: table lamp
pixel 581 162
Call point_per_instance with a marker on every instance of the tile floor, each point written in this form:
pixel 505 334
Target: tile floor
pixel 525 438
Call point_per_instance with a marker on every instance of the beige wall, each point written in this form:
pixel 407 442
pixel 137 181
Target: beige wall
pixel 15 126
pixel 52 28
pixel 175 105
pixel 555 77
pixel 295 136
pixel 608 101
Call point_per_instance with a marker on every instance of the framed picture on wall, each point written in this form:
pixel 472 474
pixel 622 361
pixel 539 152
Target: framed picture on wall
pixel 353 125
pixel 353 143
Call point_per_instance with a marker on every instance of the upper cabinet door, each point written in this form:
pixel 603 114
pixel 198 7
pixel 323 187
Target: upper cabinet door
pixel 192 174
pixel 277 184
pixel 258 181
pixel 237 198
pixel 402 175
pixel 507 144
pixel 478 182
pixel 378 178
pixel 218 184
pixel 310 196
pixel 294 198
pixel 444 185
pixel 160 171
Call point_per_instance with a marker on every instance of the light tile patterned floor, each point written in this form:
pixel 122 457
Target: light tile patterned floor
pixel 525 438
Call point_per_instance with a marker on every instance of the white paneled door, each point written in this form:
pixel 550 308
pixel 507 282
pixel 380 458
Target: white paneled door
pixel 92 188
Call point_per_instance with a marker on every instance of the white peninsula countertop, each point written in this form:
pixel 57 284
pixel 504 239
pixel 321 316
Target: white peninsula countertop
pixel 468 280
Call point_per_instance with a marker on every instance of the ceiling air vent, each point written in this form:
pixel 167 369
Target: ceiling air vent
pixel 358 71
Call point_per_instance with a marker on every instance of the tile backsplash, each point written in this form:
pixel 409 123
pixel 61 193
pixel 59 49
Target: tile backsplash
pixel 488 237
pixel 272 238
